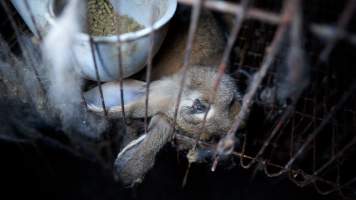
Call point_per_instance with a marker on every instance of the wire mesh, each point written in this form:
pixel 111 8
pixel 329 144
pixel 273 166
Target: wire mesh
pixel 311 117
pixel 319 126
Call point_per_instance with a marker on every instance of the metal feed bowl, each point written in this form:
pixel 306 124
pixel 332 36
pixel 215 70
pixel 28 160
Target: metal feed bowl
pixel 134 46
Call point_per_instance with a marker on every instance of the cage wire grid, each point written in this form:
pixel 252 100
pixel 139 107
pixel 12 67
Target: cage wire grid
pixel 322 108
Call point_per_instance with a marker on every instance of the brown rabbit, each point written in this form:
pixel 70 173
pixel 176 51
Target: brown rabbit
pixel 138 157
pixel 162 100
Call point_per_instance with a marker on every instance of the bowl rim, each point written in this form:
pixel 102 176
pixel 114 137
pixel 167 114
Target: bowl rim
pixel 126 37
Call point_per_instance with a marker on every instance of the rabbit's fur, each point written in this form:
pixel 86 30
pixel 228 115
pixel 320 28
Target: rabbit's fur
pixel 138 156
pixel 207 48
pixel 198 86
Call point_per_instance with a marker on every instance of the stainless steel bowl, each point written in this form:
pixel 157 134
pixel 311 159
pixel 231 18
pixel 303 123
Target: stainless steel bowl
pixel 134 45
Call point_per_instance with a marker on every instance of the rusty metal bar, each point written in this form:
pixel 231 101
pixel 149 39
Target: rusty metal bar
pixel 295 38
pixel 325 121
pixel 284 117
pixel 337 188
pixel 320 191
pixel 100 57
pixel 225 144
pixel 33 20
pixel 148 70
pixel 225 59
pixel 121 82
pixel 315 184
pixel 341 25
pixel 294 171
pixel 328 32
pixel 98 81
pixel 192 29
pixel 191 141
pixel 234 8
pixel 336 156
pixel 243 150
pixel 322 31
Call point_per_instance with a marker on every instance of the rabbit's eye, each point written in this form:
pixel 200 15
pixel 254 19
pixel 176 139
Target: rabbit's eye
pixel 198 107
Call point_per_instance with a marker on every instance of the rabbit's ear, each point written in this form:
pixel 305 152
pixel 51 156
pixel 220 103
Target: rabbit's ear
pixel 134 161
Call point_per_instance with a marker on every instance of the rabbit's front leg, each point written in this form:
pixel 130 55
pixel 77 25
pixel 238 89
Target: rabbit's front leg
pixel 138 157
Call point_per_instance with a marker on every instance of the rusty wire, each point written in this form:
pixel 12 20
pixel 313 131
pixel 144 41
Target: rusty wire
pixel 192 29
pixel 292 172
pixel 335 188
pixel 333 149
pixel 188 140
pixel 234 8
pixel 295 37
pixel 225 145
pixel 321 31
pixel 275 130
pixel 225 58
pixel 325 121
pixel 121 82
pixel 335 157
pixel 38 33
pixel 341 25
pixel 149 69
pixel 98 81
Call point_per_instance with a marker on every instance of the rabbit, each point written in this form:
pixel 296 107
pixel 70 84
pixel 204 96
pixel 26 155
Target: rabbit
pixel 138 156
